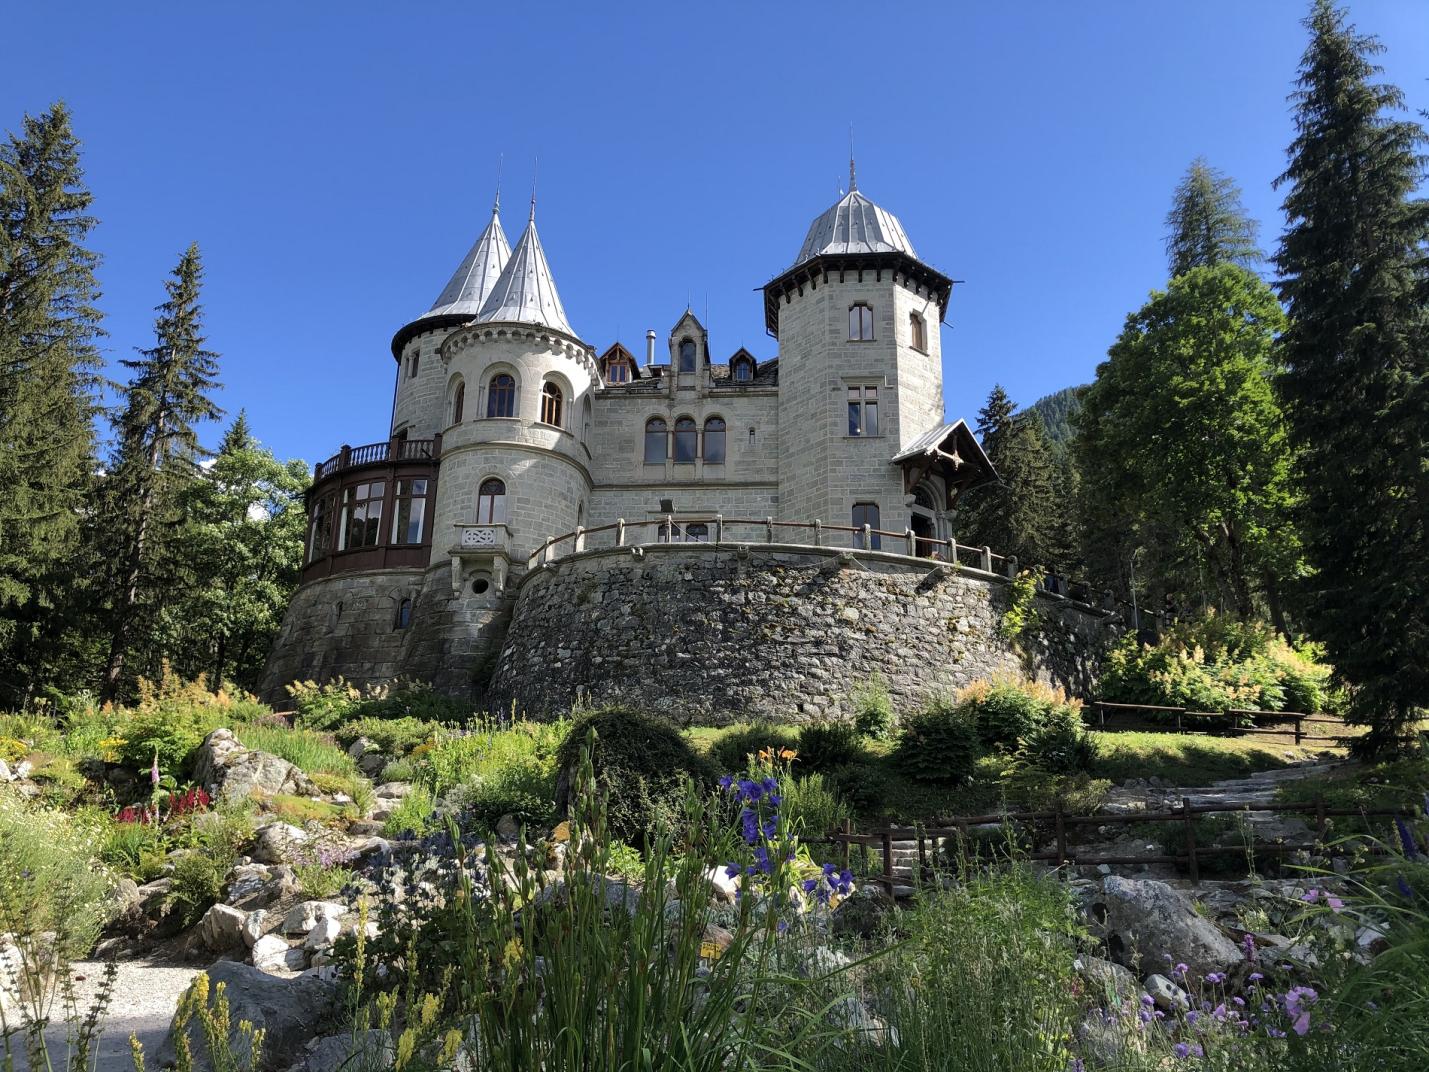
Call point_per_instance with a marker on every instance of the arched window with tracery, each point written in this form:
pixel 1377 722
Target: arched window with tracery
pixel 491 502
pixel 686 441
pixel 656 437
pixel 860 322
pixel 501 396
pixel 687 355
pixel 714 441
pixel 551 403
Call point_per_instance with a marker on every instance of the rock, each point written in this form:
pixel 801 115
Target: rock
pixel 124 896
pixel 253 886
pixel 508 828
pixel 221 928
pixel 1166 994
pixel 347 1052
pixel 821 960
pixel 153 897
pixel 287 1011
pixel 1108 979
pixel 276 842
pixel 323 934
pixel 231 772
pixel 850 1014
pixel 1371 940
pixel 253 924
pixel 272 953
pixel 304 917
pixel 1146 922
pixel 868 913
pixel 616 892
pixel 393 790
pixel 725 888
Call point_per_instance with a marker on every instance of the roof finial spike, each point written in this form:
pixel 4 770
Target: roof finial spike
pixel 535 165
pixel 496 205
pixel 852 182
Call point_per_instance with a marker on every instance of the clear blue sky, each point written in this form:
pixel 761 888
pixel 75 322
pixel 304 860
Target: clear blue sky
pixel 335 161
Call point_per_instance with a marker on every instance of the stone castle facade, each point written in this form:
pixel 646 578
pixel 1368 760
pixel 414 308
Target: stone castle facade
pixel 514 445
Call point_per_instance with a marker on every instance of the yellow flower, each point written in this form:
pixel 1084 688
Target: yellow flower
pixel 788 754
pixel 511 955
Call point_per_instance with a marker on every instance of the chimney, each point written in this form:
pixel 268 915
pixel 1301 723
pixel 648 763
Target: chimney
pixel 650 348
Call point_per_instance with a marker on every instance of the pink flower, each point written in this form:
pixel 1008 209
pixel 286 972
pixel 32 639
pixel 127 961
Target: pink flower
pixel 154 770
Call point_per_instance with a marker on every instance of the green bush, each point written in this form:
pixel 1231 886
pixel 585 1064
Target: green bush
pixel 1005 711
pixel 1058 743
pixel 863 787
pixel 873 714
pixel 641 763
pixel 455 758
pixel 827 746
pixel 309 751
pixel 524 788
pixel 732 749
pixel 393 736
pixel 939 745
pixel 412 814
pixel 812 806
pixel 324 707
pixel 197 884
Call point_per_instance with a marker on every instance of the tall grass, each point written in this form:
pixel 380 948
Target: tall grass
pixel 309 751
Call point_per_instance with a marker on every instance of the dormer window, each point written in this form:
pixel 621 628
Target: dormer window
pixel 860 322
pixel 742 370
pixel 687 355
pixel 617 370
pixel 918 332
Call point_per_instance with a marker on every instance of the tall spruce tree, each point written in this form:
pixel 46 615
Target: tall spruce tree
pixel 1356 371
pixel 157 460
pixel 1207 224
pixel 49 359
pixel 1018 515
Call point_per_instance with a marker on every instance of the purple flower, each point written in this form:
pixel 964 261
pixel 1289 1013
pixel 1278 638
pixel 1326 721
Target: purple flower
pixel 1147 1000
pixel 1182 969
pixel 1248 944
pixel 1406 838
pixel 1336 905
pixel 749 822
pixel 1311 896
pixel 733 871
pixel 1215 977
pixel 809 884
pixel 1181 1050
pixel 1405 889
pixel 1192 1017
pixel 726 781
pixel 1297 1006
pixel 1255 977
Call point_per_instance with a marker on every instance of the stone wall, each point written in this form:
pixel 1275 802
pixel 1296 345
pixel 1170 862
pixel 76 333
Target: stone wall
pixel 766 630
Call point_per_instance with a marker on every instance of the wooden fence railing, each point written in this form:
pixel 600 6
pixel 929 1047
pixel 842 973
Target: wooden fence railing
pixel 929 839
pixel 1104 716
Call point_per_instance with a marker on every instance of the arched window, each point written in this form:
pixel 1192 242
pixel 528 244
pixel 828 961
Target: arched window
pixel 866 513
pixel 586 418
pixel 551 404
pixel 742 370
pixel 655 436
pixel 918 332
pixel 491 502
pixel 714 441
pixel 404 614
pixel 860 322
pixel 687 355
pixel 686 436
pixel 458 403
pixel 697 532
pixel 501 396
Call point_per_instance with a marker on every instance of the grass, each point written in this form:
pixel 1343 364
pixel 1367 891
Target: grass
pixel 310 752
pixel 1187 759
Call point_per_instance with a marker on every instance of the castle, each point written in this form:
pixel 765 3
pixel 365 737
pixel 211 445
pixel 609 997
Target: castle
pixel 515 445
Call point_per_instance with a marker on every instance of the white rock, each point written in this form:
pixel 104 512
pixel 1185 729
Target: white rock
pixel 273 953
pixel 1166 994
pixel 253 926
pixel 221 928
pixel 304 917
pixel 323 934
pixel 274 843
pixel 393 790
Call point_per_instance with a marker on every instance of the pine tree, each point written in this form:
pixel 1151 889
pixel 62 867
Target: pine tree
pixel 1207 224
pixel 1356 371
pixel 157 460
pixel 48 373
pixel 1018 515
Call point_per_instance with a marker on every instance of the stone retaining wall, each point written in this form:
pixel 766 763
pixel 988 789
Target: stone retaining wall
pixel 730 632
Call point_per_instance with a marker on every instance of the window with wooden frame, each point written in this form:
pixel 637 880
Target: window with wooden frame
pixel 501 396
pixel 551 404
pixel 918 332
pixel 866 513
pixel 862 410
pixel 618 370
pixel 742 370
pixel 320 529
pixel 860 322
pixel 714 441
pixel 410 511
pixel 697 532
pixel 362 514
pixel 491 502
pixel 687 355
pixel 656 437
pixel 686 441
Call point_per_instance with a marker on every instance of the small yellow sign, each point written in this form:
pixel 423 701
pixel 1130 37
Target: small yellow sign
pixel 710 951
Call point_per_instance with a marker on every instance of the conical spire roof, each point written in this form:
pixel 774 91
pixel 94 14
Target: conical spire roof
pixel 472 282
pixel 526 293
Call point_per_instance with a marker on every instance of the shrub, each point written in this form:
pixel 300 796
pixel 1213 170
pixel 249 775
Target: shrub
pixel 412 814
pixel 863 787
pixel 1058 743
pixel 393 736
pixel 641 763
pixel 12 749
pixel 1005 710
pixel 873 713
pixel 826 746
pixel 323 707
pixel 1020 616
pixel 732 749
pixel 525 789
pixel 197 883
pixel 812 806
pixel 938 745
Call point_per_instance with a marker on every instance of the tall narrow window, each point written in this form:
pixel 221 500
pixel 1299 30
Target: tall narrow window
pixel 685 441
pixel 714 441
pixel 551 404
pixel 404 614
pixel 458 403
pixel 501 396
pixel 863 410
pixel 412 364
pixel 362 514
pixel 656 434
pixel 586 418
pixel 743 370
pixel 409 521
pixel 866 514
pixel 860 322
pixel 491 502
pixel 687 355
pixel 320 536
pixel 918 331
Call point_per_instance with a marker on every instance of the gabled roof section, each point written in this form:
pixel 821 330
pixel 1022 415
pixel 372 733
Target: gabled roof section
pixel 688 317
pixel 854 225
pixel 618 352
pixel 477 274
pixel 951 450
pixel 526 292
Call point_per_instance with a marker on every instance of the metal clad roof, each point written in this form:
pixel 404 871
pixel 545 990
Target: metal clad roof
pixel 855 225
pixel 476 275
pixel 526 293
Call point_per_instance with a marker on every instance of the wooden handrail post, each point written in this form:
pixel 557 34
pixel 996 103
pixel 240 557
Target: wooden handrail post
pixel 768 530
pixel 922 856
pixel 1061 827
pixel 1192 863
pixel 986 559
pixel 719 527
pixel 1321 826
pixel 888 857
pixel 1299 733
pixel 620 532
pixel 818 533
pixel 848 832
pixel 912 544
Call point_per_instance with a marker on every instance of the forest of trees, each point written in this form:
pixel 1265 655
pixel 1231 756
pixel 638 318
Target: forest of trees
pixel 1259 447
pixel 158 550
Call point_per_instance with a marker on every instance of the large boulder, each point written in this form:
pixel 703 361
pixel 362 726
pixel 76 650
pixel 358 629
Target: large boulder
pixel 1148 925
pixel 277 843
pixel 350 1051
pixel 229 771
pixel 221 928
pixel 289 1012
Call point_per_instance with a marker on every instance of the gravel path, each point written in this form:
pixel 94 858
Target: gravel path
pixel 145 993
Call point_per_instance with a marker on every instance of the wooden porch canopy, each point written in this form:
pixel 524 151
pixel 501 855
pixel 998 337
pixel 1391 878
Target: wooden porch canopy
pixel 951 451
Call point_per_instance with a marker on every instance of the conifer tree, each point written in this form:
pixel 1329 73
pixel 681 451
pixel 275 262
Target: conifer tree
pixel 1207 224
pixel 48 373
pixel 156 461
pixel 1018 515
pixel 1356 371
